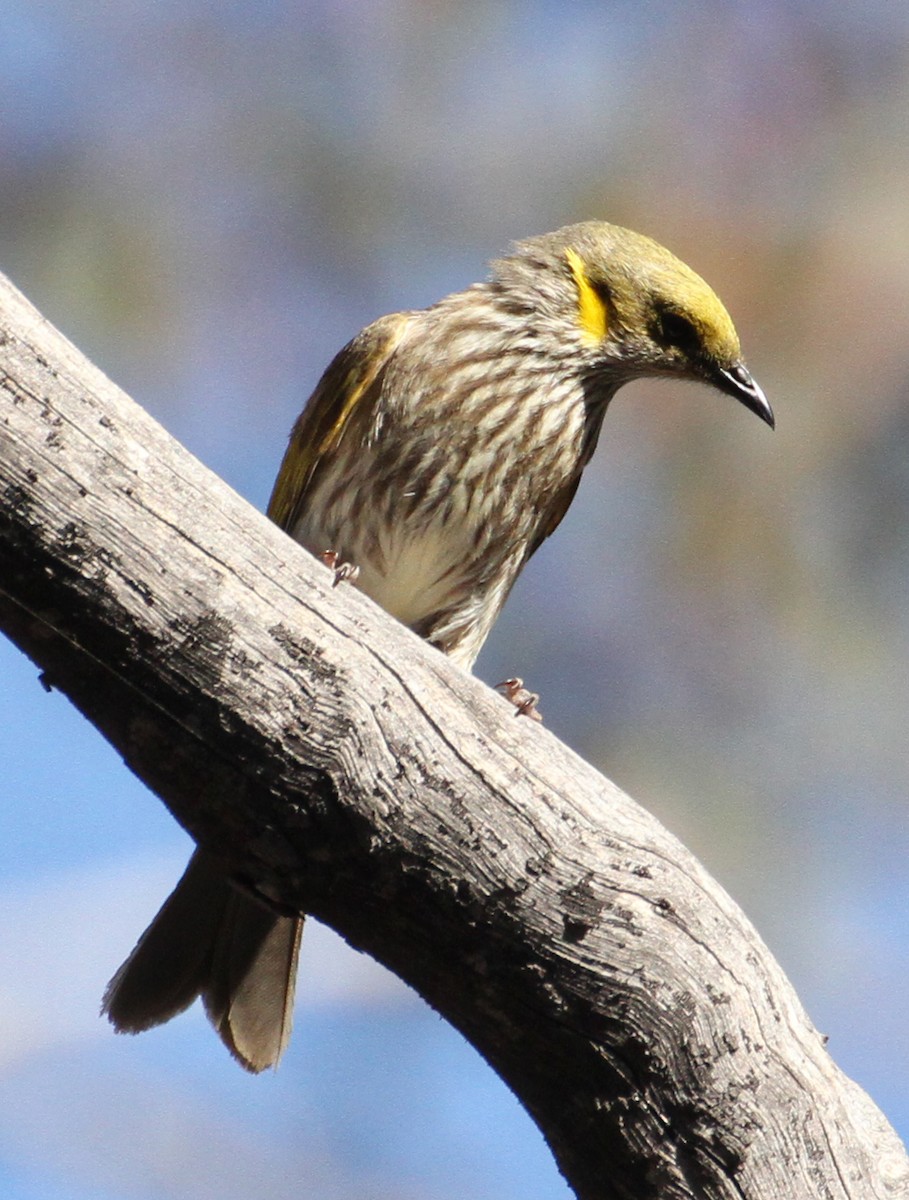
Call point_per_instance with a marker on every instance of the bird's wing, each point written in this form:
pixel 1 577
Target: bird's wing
pixel 554 510
pixel 552 515
pixel 348 379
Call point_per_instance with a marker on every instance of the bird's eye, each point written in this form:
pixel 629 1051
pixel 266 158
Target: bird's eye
pixel 672 329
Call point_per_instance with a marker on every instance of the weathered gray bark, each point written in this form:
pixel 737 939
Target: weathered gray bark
pixel 341 767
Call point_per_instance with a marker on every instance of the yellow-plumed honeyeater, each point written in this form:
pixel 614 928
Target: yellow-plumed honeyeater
pixel 439 449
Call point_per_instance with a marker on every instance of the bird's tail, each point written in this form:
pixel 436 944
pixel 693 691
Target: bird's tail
pixel 213 941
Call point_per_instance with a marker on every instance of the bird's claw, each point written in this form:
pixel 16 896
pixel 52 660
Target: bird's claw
pixel 344 572
pixel 524 701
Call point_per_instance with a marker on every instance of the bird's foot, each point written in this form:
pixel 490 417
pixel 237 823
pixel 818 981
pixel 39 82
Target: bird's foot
pixel 344 572
pixel 525 701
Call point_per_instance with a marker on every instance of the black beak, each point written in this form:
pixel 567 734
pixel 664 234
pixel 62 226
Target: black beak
pixel 736 381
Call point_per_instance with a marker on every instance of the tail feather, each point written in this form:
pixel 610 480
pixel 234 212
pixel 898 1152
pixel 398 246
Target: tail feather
pixel 249 994
pixel 212 941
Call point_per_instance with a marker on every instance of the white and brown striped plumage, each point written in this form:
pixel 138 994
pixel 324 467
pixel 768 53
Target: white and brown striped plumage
pixel 439 449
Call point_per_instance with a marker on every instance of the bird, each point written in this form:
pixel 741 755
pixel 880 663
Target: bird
pixel 439 449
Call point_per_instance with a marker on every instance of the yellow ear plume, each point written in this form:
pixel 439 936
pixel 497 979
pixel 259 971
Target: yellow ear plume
pixel 593 317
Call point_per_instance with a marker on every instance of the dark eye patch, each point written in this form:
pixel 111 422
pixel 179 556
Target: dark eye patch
pixel 603 291
pixel 671 329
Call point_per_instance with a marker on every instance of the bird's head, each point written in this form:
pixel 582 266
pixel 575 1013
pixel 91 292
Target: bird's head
pixel 625 308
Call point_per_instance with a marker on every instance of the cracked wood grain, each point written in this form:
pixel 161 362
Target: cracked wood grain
pixel 341 767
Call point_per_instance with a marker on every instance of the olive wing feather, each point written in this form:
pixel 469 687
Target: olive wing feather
pixel 348 380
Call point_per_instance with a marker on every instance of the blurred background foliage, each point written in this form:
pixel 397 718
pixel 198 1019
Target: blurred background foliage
pixel 209 199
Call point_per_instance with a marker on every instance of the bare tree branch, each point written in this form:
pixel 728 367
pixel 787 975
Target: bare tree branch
pixel 340 766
